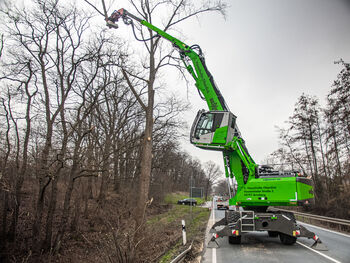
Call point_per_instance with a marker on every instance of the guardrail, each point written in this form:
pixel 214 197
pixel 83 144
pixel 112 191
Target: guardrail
pixel 323 219
pixel 181 257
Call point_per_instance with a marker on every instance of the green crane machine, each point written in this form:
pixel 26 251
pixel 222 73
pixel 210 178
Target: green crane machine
pixel 258 187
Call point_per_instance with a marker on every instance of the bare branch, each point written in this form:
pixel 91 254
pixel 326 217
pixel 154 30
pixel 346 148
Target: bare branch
pixel 1 45
pixel 133 90
pixel 98 11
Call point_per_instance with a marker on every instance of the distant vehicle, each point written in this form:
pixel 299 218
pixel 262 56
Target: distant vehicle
pixel 187 201
pixel 222 203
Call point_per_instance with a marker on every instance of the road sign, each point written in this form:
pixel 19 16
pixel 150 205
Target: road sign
pixel 196 192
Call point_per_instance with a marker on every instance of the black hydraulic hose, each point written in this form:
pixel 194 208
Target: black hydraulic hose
pixel 195 46
pixel 143 40
pixel 200 94
pixel 217 91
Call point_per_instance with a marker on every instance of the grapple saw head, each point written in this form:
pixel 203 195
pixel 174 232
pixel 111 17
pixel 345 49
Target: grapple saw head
pixel 114 17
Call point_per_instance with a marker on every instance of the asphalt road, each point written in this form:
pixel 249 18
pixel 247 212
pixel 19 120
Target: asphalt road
pixel 258 247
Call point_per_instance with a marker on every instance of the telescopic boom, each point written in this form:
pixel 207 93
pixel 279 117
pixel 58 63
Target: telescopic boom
pixel 216 129
pixel 198 70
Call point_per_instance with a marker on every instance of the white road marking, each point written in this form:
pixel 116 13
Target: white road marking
pixel 325 229
pixel 213 255
pixel 213 250
pixel 323 255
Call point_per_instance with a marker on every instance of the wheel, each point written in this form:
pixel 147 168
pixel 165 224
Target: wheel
pixel 272 233
pixel 234 240
pixel 286 239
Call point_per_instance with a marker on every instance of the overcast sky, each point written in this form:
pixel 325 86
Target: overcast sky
pixel 264 56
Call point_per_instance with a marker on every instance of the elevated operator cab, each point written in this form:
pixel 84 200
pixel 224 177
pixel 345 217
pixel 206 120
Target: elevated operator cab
pixel 213 129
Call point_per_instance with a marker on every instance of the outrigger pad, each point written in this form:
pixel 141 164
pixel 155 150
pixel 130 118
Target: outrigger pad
pixel 221 222
pixel 212 243
pixel 318 245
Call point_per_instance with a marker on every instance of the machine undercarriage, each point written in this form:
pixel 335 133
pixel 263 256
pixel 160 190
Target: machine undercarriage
pixel 277 224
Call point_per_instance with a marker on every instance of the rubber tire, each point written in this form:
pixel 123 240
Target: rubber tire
pixel 234 240
pixel 287 240
pixel 272 233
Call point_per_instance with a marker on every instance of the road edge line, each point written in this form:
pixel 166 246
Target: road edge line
pixel 325 229
pixel 213 250
pixel 323 255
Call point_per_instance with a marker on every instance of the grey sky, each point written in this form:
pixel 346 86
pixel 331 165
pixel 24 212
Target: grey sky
pixel 265 55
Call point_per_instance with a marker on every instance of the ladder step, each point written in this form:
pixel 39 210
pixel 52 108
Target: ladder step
pixel 247 221
pixel 247 228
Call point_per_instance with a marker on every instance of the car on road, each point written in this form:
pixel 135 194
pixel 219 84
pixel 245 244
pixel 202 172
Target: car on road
pixel 187 201
pixel 222 203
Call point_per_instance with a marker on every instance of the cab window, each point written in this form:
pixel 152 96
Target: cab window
pixel 205 124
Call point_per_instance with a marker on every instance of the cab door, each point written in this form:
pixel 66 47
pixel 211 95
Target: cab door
pixel 231 127
pixel 204 129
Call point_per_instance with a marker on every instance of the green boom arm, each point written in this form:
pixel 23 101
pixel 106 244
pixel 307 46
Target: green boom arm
pixel 236 155
pixel 204 80
pixel 252 190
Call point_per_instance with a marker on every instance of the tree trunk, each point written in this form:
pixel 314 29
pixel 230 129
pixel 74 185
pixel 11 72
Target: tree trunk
pixel 68 194
pixel 146 162
pixel 50 215
pixel 207 189
pixel 105 168
pixel 116 176
pixel 66 210
pixel 76 217
pixel 90 165
pixel 4 218
pixel 336 150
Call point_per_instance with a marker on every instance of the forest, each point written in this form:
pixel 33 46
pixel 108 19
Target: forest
pixel 89 137
pixel 89 140
pixel 316 142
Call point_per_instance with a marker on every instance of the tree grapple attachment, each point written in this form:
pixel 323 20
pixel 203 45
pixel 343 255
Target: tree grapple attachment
pixel 121 13
pixel 111 21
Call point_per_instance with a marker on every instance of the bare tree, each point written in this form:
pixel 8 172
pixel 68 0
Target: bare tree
pixel 317 141
pixel 221 188
pixel 213 173
pixel 179 11
pixel 52 59
pixel 74 121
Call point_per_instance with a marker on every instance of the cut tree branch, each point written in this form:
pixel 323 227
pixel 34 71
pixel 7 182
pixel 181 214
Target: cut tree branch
pixel 133 90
